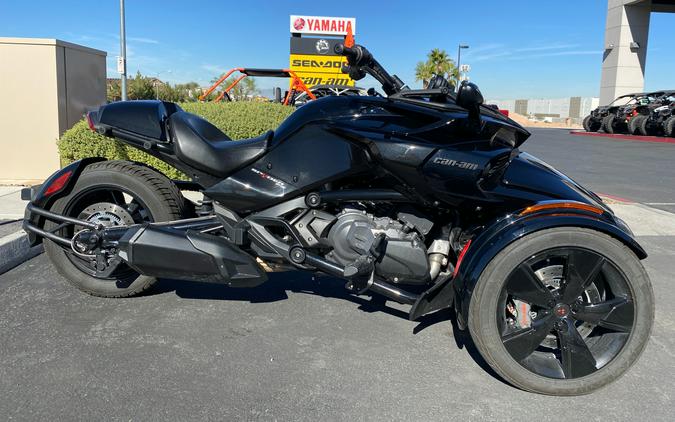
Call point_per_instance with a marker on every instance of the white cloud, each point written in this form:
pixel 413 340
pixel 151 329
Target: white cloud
pixel 142 40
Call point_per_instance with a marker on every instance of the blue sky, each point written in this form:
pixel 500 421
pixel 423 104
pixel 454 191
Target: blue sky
pixel 518 48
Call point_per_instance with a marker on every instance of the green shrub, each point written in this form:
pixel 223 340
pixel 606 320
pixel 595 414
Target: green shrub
pixel 238 120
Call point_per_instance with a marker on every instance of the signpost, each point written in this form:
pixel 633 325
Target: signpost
pixel 312 54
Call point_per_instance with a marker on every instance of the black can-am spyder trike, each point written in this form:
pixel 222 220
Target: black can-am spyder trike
pixel 420 196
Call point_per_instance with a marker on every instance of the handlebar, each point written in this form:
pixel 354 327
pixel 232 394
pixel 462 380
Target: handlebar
pixel 360 62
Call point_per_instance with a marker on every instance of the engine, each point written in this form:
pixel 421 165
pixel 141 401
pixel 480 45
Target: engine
pixel 400 254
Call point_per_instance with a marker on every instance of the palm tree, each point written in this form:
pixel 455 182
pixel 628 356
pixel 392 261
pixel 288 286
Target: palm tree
pixel 438 62
pixel 423 72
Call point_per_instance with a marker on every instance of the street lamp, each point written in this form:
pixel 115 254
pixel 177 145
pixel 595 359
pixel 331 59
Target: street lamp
pixel 122 60
pixel 157 83
pixel 459 61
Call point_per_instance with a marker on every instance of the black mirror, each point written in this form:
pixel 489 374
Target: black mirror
pixel 469 96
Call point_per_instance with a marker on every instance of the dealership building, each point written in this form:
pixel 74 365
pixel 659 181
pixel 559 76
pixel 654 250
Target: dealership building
pixel 555 109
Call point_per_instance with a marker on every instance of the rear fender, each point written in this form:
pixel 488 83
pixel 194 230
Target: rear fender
pixel 497 236
pixel 41 197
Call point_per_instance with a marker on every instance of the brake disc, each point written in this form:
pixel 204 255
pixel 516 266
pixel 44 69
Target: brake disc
pixel 107 214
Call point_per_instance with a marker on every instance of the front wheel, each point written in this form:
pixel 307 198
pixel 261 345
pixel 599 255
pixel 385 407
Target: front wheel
pixel 112 193
pixel 564 311
pixel 590 124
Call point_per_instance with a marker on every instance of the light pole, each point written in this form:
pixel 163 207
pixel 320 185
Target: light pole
pixel 459 62
pixel 157 82
pixel 122 62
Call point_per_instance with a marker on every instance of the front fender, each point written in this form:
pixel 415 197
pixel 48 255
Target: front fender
pixel 41 197
pixel 498 235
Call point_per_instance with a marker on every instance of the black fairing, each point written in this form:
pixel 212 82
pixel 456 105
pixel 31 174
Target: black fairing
pixel 429 154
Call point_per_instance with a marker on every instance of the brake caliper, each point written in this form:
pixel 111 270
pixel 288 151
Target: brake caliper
pixel 520 313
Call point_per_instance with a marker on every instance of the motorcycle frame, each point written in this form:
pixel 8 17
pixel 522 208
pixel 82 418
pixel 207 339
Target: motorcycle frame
pixel 451 291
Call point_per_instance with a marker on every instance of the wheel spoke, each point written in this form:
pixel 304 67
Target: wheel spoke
pixel 615 314
pixel 576 358
pixel 117 198
pixel 581 269
pixel 524 284
pixel 520 344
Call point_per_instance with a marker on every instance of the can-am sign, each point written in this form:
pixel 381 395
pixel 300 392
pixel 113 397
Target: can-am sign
pixel 322 25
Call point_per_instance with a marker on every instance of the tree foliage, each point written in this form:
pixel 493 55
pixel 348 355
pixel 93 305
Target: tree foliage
pixel 142 87
pixel 437 63
pixel 245 90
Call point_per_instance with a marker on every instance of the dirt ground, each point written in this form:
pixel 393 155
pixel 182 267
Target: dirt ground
pixel 524 121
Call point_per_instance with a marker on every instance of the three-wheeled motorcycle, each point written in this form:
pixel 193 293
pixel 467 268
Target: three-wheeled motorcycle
pixel 420 196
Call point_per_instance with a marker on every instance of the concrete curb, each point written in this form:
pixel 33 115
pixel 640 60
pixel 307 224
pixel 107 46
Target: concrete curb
pixel 14 250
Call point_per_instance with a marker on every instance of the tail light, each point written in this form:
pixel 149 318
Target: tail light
pixel 58 183
pixel 90 122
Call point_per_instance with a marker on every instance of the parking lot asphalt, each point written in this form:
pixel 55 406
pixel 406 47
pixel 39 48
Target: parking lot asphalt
pixel 635 170
pixel 298 347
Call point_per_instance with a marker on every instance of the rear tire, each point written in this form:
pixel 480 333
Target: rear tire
pixel 608 123
pixel 160 200
pixel 484 309
pixel 636 125
pixel 669 127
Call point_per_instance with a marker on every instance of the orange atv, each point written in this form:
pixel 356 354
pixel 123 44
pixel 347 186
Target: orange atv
pixel 297 86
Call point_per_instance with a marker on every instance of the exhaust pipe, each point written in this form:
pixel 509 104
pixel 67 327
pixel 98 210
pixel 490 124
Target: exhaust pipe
pixel 392 292
pixel 158 251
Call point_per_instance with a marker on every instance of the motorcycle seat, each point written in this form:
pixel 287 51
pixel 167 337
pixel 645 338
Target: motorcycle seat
pixel 205 147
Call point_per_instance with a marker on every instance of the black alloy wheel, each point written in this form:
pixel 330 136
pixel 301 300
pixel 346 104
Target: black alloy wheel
pixel 562 311
pixel 109 206
pixel 112 193
pixel 591 294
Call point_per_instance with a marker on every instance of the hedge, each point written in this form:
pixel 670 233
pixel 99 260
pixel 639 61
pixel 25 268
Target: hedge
pixel 237 119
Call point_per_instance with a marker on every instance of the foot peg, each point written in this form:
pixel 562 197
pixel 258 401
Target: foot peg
pixel 362 266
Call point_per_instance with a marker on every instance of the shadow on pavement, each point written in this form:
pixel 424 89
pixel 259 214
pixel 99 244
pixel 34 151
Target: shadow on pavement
pixel 280 283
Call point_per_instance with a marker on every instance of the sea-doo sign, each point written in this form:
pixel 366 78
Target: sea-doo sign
pixel 321 25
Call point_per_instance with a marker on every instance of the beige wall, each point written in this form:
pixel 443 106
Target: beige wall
pixel 45 87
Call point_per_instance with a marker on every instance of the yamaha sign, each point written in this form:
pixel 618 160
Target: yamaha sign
pixel 322 25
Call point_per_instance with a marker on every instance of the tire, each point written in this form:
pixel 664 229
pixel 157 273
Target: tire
pixel 484 326
pixel 160 197
pixel 590 124
pixel 608 123
pixel 669 127
pixel 637 124
pixel 646 129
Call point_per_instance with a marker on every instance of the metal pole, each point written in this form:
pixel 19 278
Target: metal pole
pixel 459 64
pixel 122 67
